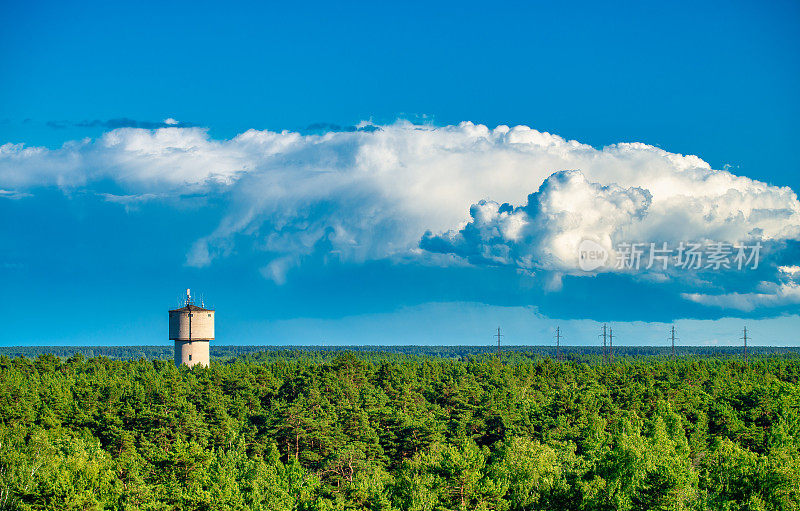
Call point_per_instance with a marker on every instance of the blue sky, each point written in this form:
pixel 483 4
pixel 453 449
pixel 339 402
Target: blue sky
pixel 129 172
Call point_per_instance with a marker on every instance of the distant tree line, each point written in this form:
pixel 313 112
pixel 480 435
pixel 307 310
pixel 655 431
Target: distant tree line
pixel 223 352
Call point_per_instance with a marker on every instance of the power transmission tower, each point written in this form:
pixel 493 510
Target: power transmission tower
pixel 558 343
pixel 745 344
pixel 498 335
pixel 672 336
pixel 611 344
pixel 605 352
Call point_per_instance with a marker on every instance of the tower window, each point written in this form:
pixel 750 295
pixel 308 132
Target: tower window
pixel 190 358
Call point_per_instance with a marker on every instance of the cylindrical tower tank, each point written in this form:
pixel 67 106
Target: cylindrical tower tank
pixel 192 328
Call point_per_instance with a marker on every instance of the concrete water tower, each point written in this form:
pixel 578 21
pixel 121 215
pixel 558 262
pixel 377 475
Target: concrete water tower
pixel 192 328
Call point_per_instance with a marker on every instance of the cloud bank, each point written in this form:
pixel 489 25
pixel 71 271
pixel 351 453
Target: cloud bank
pixel 436 194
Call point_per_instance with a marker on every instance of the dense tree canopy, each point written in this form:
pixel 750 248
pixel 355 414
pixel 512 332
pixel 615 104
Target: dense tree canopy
pixel 372 431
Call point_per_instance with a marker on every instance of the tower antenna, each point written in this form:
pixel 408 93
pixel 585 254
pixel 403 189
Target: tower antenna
pixel 498 335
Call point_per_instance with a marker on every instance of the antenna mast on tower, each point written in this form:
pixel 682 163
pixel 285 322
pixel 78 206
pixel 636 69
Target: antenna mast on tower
pixel 498 335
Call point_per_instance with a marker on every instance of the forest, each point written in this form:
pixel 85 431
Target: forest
pixel 329 430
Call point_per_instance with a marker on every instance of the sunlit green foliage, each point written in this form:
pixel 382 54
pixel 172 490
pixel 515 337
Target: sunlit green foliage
pixel 368 431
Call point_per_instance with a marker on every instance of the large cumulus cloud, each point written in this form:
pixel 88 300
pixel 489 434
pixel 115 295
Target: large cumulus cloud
pixel 545 232
pixel 373 193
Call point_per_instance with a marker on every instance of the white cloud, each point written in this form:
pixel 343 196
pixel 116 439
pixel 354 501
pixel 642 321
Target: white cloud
pixel 772 295
pixel 792 271
pixel 13 194
pixel 373 194
pixel 130 202
pixel 545 232
pixel 140 160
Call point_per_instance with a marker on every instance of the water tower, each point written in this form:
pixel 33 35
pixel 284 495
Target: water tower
pixel 192 328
